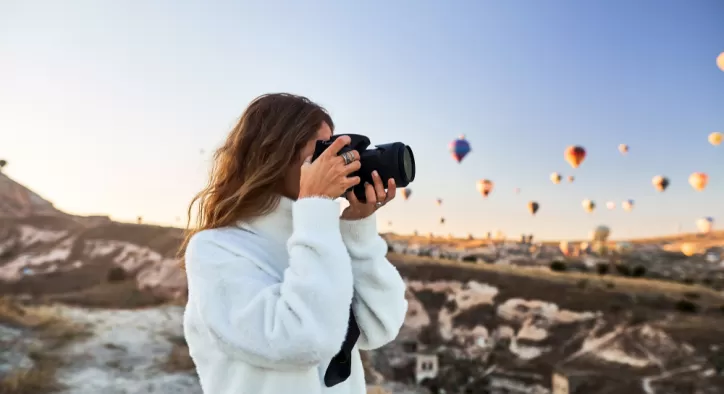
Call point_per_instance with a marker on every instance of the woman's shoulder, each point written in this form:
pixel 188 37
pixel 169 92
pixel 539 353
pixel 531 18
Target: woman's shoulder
pixel 219 244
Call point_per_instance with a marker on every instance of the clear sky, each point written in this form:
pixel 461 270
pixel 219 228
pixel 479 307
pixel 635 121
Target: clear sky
pixel 105 105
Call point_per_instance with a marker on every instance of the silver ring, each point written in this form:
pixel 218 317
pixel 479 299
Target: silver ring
pixel 379 204
pixel 347 158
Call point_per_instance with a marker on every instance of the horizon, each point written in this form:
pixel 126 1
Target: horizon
pixel 103 118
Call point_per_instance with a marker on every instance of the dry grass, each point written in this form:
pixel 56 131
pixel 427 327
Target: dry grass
pixel 122 295
pixel 377 390
pixel 37 380
pixel 629 285
pixel 53 330
pixel 178 359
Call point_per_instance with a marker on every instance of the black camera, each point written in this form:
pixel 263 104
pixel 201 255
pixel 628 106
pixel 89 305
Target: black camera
pixel 394 160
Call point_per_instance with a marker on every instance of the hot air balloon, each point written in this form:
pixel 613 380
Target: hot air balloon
pixel 406 192
pixel 660 182
pixel 389 224
pixel 459 148
pixel 611 205
pixel 574 155
pixel 139 220
pixel 438 202
pixel 720 61
pixel 571 178
pixel 715 138
pixel 588 205
pixel 698 180
pixel 627 205
pixel 3 163
pixel 556 178
pixel 485 186
pixel 516 190
pixel 705 224
pixel 688 249
pixel 533 207
pixel 442 220
pixel 623 148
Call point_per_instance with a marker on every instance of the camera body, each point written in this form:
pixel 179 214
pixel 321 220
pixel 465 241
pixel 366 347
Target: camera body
pixel 392 161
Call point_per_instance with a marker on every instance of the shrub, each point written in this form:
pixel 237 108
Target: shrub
pixel 638 271
pixel 686 306
pixel 623 269
pixel 116 274
pixel 470 259
pixel 558 266
pixel 602 269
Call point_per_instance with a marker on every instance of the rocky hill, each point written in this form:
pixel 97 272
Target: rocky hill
pixel 502 322
pixel 17 200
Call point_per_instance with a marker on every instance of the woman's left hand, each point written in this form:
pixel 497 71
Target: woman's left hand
pixel 376 196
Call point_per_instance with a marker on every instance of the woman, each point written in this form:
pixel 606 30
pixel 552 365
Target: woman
pixel 274 273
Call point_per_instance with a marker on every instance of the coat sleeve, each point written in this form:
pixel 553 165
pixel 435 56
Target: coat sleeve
pixel 379 301
pixel 252 317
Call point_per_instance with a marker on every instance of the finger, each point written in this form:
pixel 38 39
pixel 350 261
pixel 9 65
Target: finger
pixel 379 186
pixel 336 146
pixel 352 167
pixel 370 194
pixel 352 198
pixel 391 189
pixel 351 181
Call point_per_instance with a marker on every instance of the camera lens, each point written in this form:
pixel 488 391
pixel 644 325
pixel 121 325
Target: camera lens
pixel 408 163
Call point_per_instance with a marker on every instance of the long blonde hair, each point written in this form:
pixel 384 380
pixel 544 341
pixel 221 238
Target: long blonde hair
pixel 249 168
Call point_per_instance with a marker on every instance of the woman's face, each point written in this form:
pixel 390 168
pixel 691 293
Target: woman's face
pixel 294 173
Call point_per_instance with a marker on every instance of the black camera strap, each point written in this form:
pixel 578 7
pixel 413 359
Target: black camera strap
pixel 341 366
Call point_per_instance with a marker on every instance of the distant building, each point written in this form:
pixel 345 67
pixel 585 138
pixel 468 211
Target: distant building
pixel 426 366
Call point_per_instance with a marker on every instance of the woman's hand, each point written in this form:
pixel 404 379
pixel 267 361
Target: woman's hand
pixel 376 196
pixel 327 176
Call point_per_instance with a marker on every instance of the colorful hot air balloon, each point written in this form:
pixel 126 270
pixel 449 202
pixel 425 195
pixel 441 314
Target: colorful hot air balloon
pixel 720 61
pixel 627 205
pixel 660 182
pixel 611 205
pixel 516 190
pixel 556 178
pixel 571 178
pixel 698 180
pixel 623 148
pixel 588 205
pixel 715 138
pixel 459 148
pixel 574 155
pixel 705 224
pixel 533 207
pixel 406 192
pixel 485 186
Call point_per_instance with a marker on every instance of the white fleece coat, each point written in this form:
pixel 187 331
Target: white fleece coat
pixel 269 300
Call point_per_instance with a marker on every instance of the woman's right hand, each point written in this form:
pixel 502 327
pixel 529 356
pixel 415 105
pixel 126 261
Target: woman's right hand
pixel 327 175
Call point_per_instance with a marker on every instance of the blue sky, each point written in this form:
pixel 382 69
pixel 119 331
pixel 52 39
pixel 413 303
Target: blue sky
pixel 105 105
